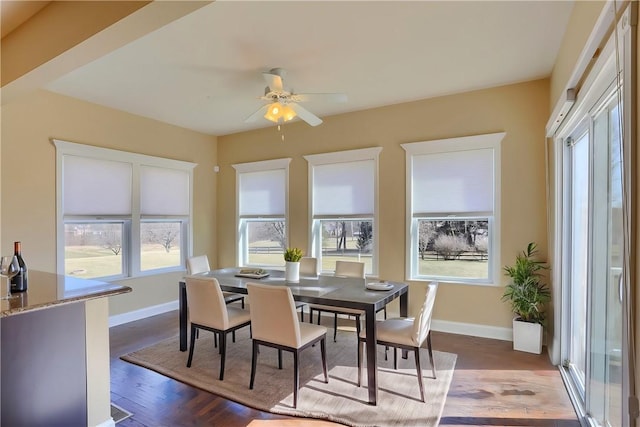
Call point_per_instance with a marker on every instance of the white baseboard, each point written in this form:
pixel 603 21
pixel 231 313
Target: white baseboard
pixel 472 329
pixel 131 316
pixel 107 423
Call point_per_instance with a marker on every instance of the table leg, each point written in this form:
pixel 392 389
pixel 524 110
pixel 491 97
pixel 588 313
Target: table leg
pixel 404 312
pixel 372 362
pixel 182 304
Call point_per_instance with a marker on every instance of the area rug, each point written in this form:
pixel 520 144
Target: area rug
pixel 339 401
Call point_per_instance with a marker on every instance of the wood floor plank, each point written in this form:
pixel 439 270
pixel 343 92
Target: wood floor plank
pixel 492 385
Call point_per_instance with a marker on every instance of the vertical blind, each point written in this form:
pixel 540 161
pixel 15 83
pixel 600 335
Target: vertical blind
pixel 344 188
pixel 262 193
pixel 453 182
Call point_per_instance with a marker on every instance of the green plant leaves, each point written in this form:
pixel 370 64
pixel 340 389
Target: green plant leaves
pixel 526 294
pixel 292 254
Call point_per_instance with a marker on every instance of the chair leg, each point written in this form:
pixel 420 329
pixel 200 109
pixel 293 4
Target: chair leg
pixel 385 312
pixel 323 353
pixel 296 379
pixel 302 314
pixel 319 315
pixel 223 353
pixel 233 336
pixel 215 340
pixel 395 358
pixel 360 347
pixel 433 365
pixel 242 305
pixel 193 343
pixel 419 372
pixel 254 360
pixel 279 359
pixel 335 326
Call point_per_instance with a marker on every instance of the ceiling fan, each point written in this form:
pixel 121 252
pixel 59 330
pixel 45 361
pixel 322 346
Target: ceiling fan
pixel 284 105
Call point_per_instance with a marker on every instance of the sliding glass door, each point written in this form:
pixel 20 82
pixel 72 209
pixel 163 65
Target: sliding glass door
pixel 576 275
pixel 604 395
pixel 592 344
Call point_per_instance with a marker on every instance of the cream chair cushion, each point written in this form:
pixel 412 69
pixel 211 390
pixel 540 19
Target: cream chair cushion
pixel 198 264
pixel 207 306
pixel 350 269
pixel 308 266
pixel 409 331
pixel 274 319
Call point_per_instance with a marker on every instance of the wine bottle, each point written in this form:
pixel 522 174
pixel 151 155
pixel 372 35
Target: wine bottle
pixel 19 281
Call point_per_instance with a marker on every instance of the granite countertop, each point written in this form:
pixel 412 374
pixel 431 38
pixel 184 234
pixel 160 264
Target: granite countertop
pixel 48 289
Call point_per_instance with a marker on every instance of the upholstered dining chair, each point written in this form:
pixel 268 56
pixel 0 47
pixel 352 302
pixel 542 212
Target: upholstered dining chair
pixel 308 268
pixel 343 269
pixel 406 333
pixel 208 311
pixel 200 264
pixel 275 324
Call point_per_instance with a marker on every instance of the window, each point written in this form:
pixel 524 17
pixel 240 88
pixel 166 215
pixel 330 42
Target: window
pixel 452 205
pixel 343 193
pixel 262 199
pixel 121 214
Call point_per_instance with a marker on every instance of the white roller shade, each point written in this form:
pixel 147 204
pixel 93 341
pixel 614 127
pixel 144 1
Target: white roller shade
pixel 96 187
pixel 164 191
pixel 344 188
pixel 451 182
pixel 262 193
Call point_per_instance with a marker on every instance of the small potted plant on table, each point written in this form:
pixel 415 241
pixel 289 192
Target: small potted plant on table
pixel 292 258
pixel 527 295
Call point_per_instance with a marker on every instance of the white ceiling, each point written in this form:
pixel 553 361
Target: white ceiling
pixel 203 71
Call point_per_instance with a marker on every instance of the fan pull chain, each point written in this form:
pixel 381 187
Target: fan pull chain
pixel 282 136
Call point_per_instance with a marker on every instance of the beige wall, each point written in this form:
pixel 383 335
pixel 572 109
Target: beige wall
pixel 520 110
pixel 581 23
pixel 28 178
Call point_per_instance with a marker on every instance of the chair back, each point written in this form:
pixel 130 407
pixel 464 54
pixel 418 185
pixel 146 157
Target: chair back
pixel 273 315
pixel 422 322
pixel 308 266
pixel 205 302
pixel 350 269
pixel 198 264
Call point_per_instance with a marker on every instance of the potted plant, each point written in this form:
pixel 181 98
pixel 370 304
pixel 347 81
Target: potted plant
pixel 292 258
pixel 527 295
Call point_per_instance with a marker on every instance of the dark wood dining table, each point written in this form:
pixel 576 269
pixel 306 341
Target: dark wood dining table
pixel 323 289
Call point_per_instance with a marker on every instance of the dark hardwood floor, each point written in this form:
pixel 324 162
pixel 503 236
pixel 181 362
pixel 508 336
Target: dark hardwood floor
pixel 492 385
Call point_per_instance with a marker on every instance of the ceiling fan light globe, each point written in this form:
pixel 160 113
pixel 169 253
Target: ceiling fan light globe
pixel 274 112
pixel 288 113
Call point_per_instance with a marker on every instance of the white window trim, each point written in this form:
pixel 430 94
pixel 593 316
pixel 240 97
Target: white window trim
pixel 65 148
pixel 491 140
pixel 371 153
pixel 260 166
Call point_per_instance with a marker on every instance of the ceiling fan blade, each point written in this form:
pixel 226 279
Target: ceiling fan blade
pixel 330 97
pixel 305 114
pixel 274 81
pixel 261 111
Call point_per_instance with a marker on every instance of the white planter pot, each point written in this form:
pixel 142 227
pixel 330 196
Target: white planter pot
pixel 292 271
pixel 527 336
